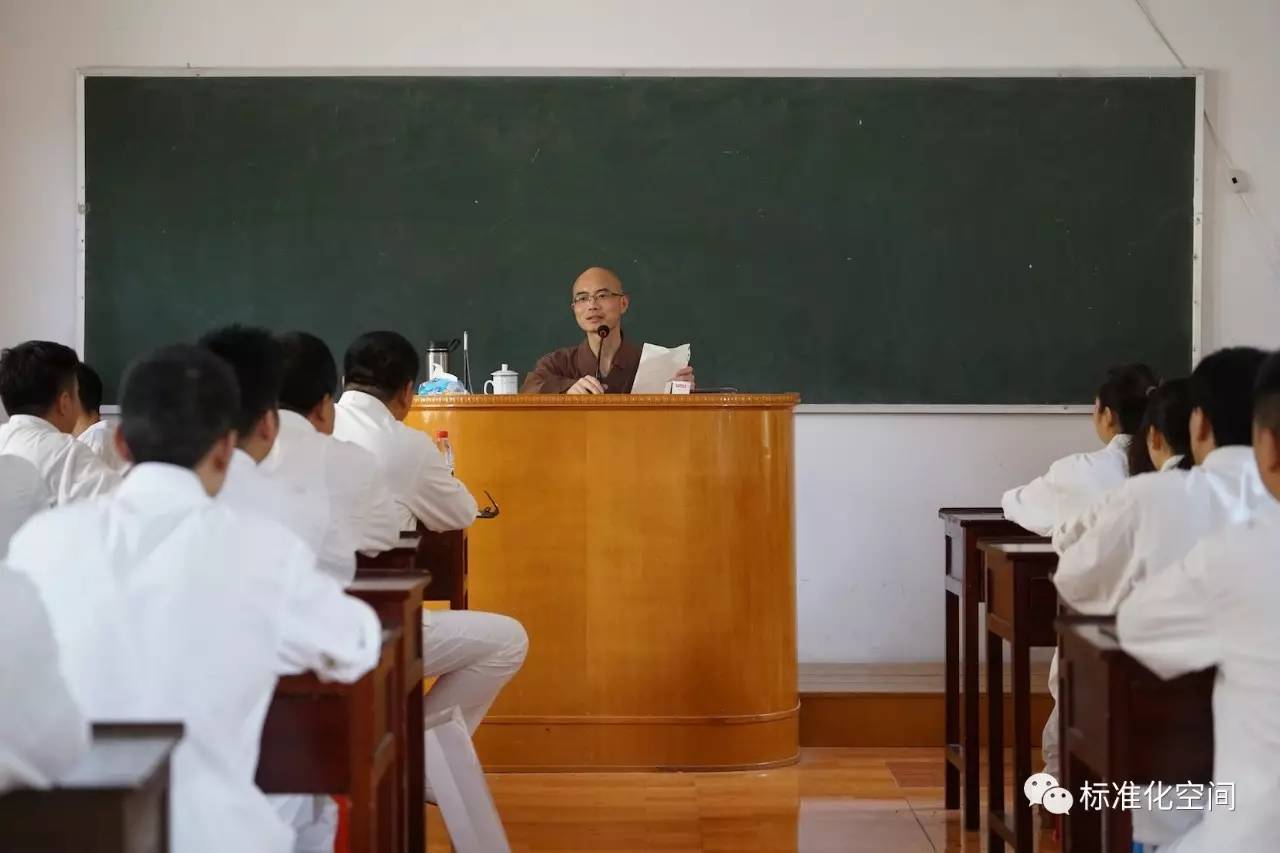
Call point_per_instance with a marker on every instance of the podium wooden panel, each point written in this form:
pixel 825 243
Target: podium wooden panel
pixel 647 544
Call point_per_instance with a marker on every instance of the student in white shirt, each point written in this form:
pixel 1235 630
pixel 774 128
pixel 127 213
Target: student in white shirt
pixel 1155 518
pixel 1163 440
pixel 475 654
pixel 38 390
pixel 22 495
pixel 1072 483
pixel 42 732
pixel 1217 607
pixel 258 363
pixel 90 429
pixel 363 515
pixel 207 606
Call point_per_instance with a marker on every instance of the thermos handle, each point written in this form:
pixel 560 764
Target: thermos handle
pixel 454 344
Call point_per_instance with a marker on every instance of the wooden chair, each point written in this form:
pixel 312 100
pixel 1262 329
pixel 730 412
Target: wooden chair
pixel 328 738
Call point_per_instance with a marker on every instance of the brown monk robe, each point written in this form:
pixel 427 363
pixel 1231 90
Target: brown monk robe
pixel 598 300
pixel 556 372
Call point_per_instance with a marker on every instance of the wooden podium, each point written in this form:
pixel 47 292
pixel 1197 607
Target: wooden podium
pixel 647 544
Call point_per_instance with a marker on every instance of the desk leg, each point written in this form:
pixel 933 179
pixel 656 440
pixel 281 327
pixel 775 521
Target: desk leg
pixel 951 692
pixel 1082 828
pixel 972 741
pixel 1022 831
pixel 1117 831
pixel 995 739
pixel 415 745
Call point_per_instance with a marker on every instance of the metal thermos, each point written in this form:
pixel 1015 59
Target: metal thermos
pixel 438 356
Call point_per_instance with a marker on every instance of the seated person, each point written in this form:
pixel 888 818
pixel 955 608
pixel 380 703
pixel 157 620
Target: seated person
pixel 22 495
pixel 38 390
pixel 205 606
pixel 363 516
pixel 42 732
pixel 1163 440
pixel 90 428
pixel 598 300
pixel 1216 606
pixel 1074 482
pixel 474 654
pixel 258 363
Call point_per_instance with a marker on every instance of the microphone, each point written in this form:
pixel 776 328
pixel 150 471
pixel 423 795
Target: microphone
pixel 603 331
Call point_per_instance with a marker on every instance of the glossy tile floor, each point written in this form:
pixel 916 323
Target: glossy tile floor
pixel 834 800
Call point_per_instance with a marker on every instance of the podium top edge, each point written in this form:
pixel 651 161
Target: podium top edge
pixel 438 402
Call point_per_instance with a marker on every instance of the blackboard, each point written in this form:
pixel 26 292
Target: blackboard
pixel 855 239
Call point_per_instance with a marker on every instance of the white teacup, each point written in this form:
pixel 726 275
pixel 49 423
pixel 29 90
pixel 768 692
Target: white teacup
pixel 504 381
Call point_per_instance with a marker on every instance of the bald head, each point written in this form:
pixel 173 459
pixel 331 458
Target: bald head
pixel 597 278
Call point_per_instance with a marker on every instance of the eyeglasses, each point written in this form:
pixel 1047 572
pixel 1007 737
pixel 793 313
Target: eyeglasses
pixel 580 300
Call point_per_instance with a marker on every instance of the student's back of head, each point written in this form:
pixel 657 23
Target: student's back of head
pixel 1222 389
pixel 383 364
pixel 257 361
pixel 38 378
pixel 1122 400
pixel 89 387
pixel 178 405
pixel 1266 423
pixel 310 378
pixel 1165 430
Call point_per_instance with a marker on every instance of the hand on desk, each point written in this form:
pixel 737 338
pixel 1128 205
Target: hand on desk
pixel 586 385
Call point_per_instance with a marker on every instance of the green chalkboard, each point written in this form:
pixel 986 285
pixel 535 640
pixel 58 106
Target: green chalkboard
pixel 873 240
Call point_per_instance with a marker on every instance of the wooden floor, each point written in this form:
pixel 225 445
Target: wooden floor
pixel 834 801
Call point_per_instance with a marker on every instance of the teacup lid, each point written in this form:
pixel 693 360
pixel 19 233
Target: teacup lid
pixel 504 372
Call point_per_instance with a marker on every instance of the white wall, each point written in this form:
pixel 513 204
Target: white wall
pixel 868 588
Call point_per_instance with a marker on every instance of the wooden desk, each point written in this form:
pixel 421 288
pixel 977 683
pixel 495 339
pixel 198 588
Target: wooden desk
pixel 963 588
pixel 647 544
pixel 398 602
pixel 1122 723
pixel 442 555
pixel 1021 607
pixel 116 800
pixel 329 738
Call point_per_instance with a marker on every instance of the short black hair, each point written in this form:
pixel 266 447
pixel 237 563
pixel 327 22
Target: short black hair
pixel 1124 391
pixel 89 387
pixel 309 371
pixel 381 362
pixel 176 403
pixel 1266 395
pixel 33 374
pixel 256 359
pixel 1169 413
pixel 1222 386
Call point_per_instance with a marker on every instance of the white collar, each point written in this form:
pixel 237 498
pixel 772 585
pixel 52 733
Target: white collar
pixel 178 486
pixel 241 460
pixel 1232 459
pixel 1172 462
pixel 369 405
pixel 32 422
pixel 1120 442
pixel 294 422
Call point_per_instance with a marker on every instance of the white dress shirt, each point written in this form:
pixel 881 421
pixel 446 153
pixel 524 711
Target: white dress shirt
pixel 205 608
pixel 22 495
pixel 412 466
pixel 250 491
pixel 42 732
pixel 1217 607
pixel 363 515
pixel 1068 488
pixel 70 470
pixel 1151 521
pixel 101 439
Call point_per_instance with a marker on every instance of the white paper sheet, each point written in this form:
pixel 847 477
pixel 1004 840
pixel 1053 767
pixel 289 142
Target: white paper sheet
pixel 657 366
